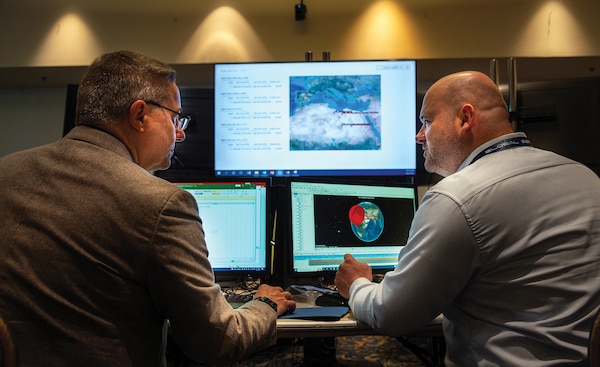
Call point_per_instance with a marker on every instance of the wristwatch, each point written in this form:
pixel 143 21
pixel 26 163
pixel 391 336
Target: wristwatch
pixel 268 301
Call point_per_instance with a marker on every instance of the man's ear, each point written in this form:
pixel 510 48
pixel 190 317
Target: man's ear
pixel 137 112
pixel 466 114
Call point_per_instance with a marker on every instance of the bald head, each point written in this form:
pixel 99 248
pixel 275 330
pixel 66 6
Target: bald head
pixel 460 112
pixel 474 88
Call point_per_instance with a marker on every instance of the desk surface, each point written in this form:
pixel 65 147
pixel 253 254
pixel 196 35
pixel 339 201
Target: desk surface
pixel 346 326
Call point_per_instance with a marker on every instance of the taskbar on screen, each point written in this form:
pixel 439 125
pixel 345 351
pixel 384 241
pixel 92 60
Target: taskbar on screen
pixel 312 173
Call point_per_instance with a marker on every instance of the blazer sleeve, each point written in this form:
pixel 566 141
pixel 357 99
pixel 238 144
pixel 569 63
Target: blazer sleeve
pixel 182 285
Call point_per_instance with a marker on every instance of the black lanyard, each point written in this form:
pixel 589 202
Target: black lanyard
pixel 503 145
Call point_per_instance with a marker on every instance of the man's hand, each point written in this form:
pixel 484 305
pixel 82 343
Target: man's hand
pixel 279 296
pixel 349 271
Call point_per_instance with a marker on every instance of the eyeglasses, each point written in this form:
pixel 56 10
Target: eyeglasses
pixel 181 120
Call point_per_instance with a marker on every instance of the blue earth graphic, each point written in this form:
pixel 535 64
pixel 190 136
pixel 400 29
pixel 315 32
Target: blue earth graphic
pixel 366 220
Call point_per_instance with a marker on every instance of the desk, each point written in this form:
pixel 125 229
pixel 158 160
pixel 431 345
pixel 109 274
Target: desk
pixel 346 326
pixel 319 338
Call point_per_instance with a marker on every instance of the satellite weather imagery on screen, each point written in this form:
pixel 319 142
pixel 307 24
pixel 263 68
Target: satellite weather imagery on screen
pixel 348 118
pixel 344 110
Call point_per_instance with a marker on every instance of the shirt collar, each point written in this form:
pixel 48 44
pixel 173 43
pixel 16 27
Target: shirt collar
pixel 488 144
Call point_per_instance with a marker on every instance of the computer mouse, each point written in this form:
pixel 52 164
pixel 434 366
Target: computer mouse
pixel 331 299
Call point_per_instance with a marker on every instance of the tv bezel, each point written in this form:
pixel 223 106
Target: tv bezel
pixel 330 172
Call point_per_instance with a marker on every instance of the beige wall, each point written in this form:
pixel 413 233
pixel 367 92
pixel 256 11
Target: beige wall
pixel 217 30
pixel 44 48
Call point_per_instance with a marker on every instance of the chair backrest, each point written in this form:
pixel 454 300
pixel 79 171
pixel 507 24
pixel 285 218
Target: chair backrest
pixel 594 344
pixel 8 352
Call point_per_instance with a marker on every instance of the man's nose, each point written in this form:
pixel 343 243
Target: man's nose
pixel 420 137
pixel 179 136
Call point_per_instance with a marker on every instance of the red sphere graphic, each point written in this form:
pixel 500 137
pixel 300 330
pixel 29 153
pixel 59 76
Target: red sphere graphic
pixel 356 215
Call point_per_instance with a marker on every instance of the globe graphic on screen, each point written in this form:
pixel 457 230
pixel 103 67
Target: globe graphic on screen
pixel 366 220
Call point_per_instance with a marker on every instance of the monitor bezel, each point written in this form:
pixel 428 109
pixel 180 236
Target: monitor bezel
pixel 328 275
pixel 234 275
pixel 328 172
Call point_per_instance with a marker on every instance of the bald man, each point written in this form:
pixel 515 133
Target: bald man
pixel 506 246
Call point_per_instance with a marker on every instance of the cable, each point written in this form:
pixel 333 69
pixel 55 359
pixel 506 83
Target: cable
pixel 273 242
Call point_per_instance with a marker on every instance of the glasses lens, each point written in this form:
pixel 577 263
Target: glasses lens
pixel 183 121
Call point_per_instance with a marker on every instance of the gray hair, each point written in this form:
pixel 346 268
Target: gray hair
pixel 114 81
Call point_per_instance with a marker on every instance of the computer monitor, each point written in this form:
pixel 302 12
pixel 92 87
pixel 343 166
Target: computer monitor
pixel 235 219
pixel 293 119
pixel 371 221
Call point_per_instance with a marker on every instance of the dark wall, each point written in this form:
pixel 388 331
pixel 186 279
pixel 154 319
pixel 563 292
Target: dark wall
pixel 558 115
pixel 563 116
pixel 194 157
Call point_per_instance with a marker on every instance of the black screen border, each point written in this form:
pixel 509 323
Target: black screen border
pixel 307 173
pixel 227 275
pixel 294 276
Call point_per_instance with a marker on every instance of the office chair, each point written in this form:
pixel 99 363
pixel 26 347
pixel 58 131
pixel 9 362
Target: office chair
pixel 594 344
pixel 8 353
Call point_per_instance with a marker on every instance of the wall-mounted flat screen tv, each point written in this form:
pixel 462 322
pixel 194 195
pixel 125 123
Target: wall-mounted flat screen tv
pixel 292 119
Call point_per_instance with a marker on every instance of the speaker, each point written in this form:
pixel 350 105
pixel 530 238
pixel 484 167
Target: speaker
pixel 300 11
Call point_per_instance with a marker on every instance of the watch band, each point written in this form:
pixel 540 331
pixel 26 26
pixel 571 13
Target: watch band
pixel 268 301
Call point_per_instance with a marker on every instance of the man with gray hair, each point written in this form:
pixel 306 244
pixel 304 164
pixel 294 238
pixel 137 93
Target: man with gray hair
pixel 96 253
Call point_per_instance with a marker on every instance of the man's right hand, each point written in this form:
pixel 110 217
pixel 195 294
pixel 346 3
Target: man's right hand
pixel 350 270
pixel 282 298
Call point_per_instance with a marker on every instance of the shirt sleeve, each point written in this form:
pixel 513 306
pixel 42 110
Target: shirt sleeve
pixel 437 262
pixel 181 281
